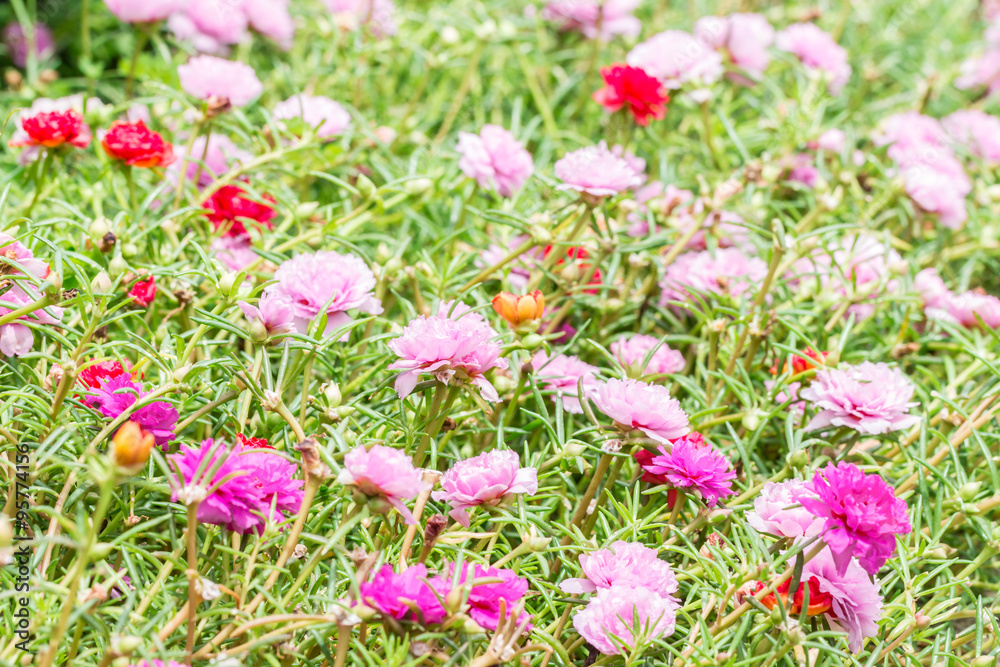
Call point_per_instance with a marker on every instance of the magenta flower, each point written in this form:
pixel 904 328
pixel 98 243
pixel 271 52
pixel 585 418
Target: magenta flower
pixel 496 159
pixel 694 467
pixel 647 407
pixel 487 479
pixel 17 339
pixel 16 41
pixel 226 492
pixel 596 19
pixel 862 514
pixel 119 393
pixel 484 599
pixel 210 26
pixel 144 11
pixel 608 623
pixel 745 37
pixel 977 131
pixel 597 171
pixel 274 312
pixel 207 162
pixel 393 594
pixel 856 604
pixel 562 374
pixel 725 271
pixel 207 76
pixel 632 352
pixel 818 51
pixel 623 563
pixel 273 477
pixel 323 114
pixel 453 351
pixel 378 15
pixel 385 472
pixel 870 398
pixel 326 279
pixel 678 58
pixel 774 512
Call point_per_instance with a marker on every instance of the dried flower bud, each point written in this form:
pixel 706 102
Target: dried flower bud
pixel 435 526
pixel 311 460
pixel 217 105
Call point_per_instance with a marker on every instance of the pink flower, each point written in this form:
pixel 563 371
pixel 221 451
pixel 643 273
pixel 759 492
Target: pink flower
pixel 324 115
pixel 862 514
pixel 519 270
pixel 272 19
pixel 804 170
pixel 910 128
pixel 117 394
pixel 932 289
pixel 678 58
pixel 869 398
pixel 983 70
pixel 236 252
pixel 597 171
pixel 773 512
pixel 386 472
pixel 453 351
pixel 226 493
pixel 817 51
pixel 496 159
pixel 977 131
pixel 942 304
pixel 647 407
pixel 16 41
pixel 831 141
pixel 210 158
pixel 329 280
pixel 454 310
pixel 16 339
pixel 623 563
pixel 745 37
pixel 484 599
pixel 935 181
pixel 275 312
pixel 692 466
pixel 487 479
pixel 727 270
pixel 613 611
pixel 561 375
pixel 856 603
pixel 210 26
pixel 632 352
pixel 379 15
pixel 389 593
pixel 207 76
pixel 596 19
pixel 144 11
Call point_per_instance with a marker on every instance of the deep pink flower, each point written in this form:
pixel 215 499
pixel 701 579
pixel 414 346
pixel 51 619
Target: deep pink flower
pixel 323 114
pixel 383 471
pixel 275 312
pixel 596 171
pixel 803 170
pixel 496 159
pixel 389 593
pixel 378 15
pixel 143 292
pixel 326 279
pixel 693 467
pixel 678 58
pixel 596 19
pixel 208 163
pixel 773 512
pixel 227 497
pixel 561 375
pixel 144 11
pixel 207 76
pixel 484 598
pixel 453 351
pixel 273 476
pixel 625 563
pixel 725 271
pixel 818 51
pixel 870 398
pixel 612 613
pixel 16 41
pixel 487 479
pixel 631 352
pixel 118 393
pixel 16 339
pixel 862 513
pixel 745 37
pixel 977 131
pixel 647 407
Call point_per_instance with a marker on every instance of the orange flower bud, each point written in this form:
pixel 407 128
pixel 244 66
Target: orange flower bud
pixel 131 446
pixel 520 311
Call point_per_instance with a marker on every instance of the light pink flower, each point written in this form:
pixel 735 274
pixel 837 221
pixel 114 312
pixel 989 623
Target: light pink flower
pixel 324 115
pixel 145 11
pixel 677 58
pixel 817 51
pixel 496 159
pixel 236 252
pixel 210 26
pixel 596 171
pixel 632 351
pixel 935 181
pixel 207 76
pixel 487 479
pixel 275 312
pixel 725 271
pixel 773 512
pixel 869 398
pixel 831 141
pixel 694 466
pixel 157 663
pixel 982 70
pixel 326 279
pixel 453 351
pixel 977 131
pixel 966 306
pixel 647 407
pixel 272 19
pixel 624 563
pixel 379 15
pixel 519 270
pixel 16 339
pixel 910 128
pixel 384 472
pixel 561 375
pixel 209 159
pixel 16 41
pixel 745 37
pixel 612 613
pixel 856 604
pixel 932 289
pixel 804 170
pixel 596 19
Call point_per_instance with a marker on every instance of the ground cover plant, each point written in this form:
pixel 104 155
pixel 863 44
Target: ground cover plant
pixel 345 332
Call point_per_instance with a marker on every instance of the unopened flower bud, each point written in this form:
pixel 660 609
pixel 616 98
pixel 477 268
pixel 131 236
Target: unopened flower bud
pixel 101 284
pixel 969 490
pixel 570 273
pixel 117 266
pixel 365 187
pixel 53 285
pixel 331 392
pixel 751 420
pixel 536 542
pixel 798 459
pixel 521 312
pixel 98 228
pixel 131 446
pixel 418 186
pixel 126 644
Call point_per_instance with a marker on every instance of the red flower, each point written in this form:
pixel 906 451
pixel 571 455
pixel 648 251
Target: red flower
pixel 55 128
pixel 801 364
pixel 624 84
pixel 137 145
pixel 229 206
pixel 819 602
pixel 252 443
pixel 93 374
pixel 143 292
pixel 575 255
